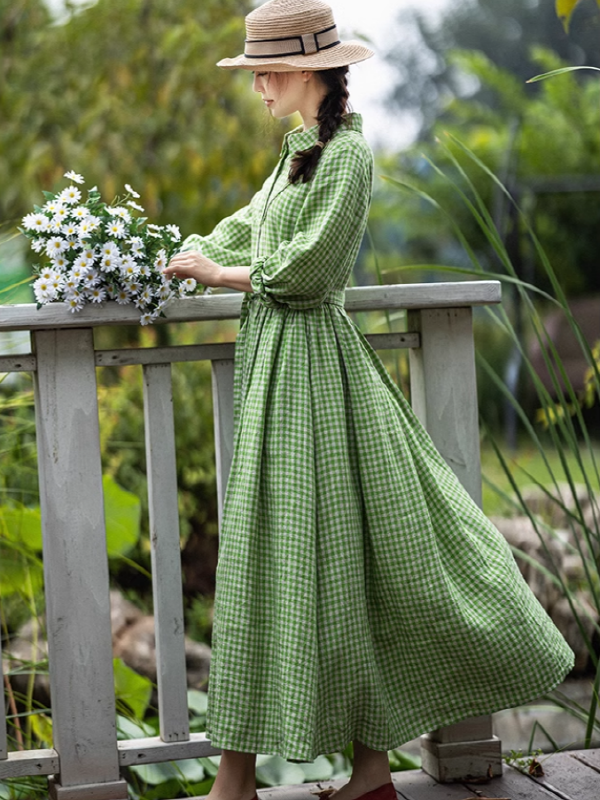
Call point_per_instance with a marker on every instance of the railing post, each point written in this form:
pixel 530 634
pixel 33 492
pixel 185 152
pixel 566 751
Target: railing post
pixel 444 397
pixel 165 553
pixel 75 568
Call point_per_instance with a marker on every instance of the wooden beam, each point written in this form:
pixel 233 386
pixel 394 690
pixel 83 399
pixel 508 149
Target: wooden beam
pixel 228 306
pixel 165 553
pixel 75 560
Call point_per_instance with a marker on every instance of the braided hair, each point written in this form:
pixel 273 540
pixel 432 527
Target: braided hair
pixel 330 116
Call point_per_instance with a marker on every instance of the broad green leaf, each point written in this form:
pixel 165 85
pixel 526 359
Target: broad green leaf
pixel 19 573
pixel 122 511
pixel 130 729
pixel 154 774
pixel 275 771
pixel 133 689
pixel 22 524
pixel 42 728
pixel 197 701
pixel 321 769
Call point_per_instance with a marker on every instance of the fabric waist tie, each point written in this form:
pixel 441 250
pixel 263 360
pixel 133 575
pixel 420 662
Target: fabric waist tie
pixel 336 298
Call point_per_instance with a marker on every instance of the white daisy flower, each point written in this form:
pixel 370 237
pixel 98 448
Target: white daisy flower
pixel 97 294
pixel 120 212
pixel 75 302
pixel 91 278
pixel 73 242
pixel 46 273
pixel 61 213
pixel 153 230
pixel 70 195
pixel 123 296
pixel 135 205
pixel 160 262
pixel 144 298
pixel 36 222
pixel 174 231
pixel 131 191
pixel 55 246
pixel 82 264
pixel 165 293
pixel 37 245
pixel 44 293
pixel 57 282
pixel 60 263
pixel 70 229
pixel 187 286
pixel 53 206
pixel 73 176
pixel 70 284
pixel 116 228
pixel 144 271
pixel 137 245
pixel 55 225
pixel 87 258
pixel 146 319
pixel 134 286
pixel 109 263
pixel 80 213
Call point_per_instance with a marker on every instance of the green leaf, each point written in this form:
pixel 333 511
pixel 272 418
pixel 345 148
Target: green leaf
pixel 22 524
pixel 197 701
pixel 155 774
pixel 122 511
pixel 275 771
pixel 321 769
pixel 131 688
pixel 132 729
pixel 560 71
pixel 20 572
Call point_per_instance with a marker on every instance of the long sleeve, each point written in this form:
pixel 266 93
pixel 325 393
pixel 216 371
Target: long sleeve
pixel 327 231
pixel 230 242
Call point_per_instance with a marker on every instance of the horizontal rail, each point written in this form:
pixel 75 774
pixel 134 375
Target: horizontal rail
pixel 221 351
pixel 153 750
pixel 29 762
pixel 228 306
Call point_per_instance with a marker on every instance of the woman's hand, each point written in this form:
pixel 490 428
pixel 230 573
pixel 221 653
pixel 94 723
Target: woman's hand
pixel 193 264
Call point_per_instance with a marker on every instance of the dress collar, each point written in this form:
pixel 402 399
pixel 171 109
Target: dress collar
pixel 300 139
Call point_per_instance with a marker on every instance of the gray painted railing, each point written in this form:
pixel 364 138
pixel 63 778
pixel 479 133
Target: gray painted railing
pixel 85 761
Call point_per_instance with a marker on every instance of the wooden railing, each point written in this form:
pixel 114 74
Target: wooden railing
pixel 86 759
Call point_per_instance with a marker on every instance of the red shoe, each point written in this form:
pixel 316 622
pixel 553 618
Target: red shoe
pixel 385 792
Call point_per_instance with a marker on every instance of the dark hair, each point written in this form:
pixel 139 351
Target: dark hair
pixel 330 116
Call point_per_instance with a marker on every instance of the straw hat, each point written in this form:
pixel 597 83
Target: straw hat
pixel 288 35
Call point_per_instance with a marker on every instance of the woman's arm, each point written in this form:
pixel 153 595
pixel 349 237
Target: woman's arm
pixel 192 264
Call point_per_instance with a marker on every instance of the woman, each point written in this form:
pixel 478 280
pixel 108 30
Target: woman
pixel 361 595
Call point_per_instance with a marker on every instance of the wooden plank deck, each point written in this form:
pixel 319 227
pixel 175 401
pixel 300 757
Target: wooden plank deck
pixel 570 775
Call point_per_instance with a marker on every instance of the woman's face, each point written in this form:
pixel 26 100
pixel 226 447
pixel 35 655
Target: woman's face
pixel 283 93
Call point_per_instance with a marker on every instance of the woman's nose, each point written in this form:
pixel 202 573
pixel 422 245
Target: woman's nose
pixel 256 84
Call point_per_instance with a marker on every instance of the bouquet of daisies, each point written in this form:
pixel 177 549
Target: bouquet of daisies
pixel 96 252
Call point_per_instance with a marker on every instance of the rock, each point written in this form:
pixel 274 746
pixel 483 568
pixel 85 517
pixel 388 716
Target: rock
pixel 133 640
pixel 563 618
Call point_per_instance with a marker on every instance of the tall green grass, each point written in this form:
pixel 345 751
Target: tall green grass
pixel 566 435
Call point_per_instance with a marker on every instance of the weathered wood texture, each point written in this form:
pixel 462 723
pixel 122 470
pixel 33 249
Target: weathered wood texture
pixel 165 553
pixel 227 306
pixel 153 749
pixel 20 763
pixel 511 785
pixel 444 397
pixel 75 558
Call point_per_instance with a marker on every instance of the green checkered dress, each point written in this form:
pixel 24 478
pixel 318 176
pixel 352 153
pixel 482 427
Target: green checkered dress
pixel 361 594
